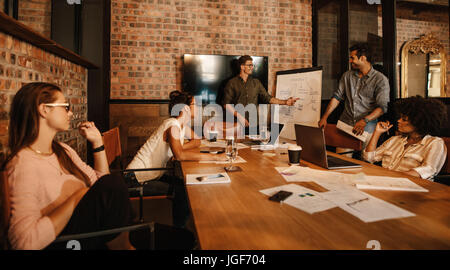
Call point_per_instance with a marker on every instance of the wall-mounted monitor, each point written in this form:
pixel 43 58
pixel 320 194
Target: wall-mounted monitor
pixel 207 75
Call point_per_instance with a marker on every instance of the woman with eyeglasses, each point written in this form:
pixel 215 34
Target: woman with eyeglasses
pixel 52 191
pixel 414 151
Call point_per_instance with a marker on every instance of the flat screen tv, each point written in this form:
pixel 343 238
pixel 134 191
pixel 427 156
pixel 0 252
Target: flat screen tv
pixel 207 75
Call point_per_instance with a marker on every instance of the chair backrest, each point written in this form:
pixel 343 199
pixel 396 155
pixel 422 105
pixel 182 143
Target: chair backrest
pixel 446 168
pixel 337 138
pixel 5 208
pixel 113 148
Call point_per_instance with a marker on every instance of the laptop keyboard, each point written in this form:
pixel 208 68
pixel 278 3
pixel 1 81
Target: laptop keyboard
pixel 334 161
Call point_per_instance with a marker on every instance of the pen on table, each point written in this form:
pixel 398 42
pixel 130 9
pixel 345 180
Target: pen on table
pixel 358 201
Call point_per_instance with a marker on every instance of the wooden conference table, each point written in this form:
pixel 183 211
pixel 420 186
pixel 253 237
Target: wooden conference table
pixel 237 216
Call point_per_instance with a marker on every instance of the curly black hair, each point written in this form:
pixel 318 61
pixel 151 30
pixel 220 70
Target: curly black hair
pixel 427 115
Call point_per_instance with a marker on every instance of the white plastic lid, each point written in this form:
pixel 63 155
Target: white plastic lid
pixel 294 147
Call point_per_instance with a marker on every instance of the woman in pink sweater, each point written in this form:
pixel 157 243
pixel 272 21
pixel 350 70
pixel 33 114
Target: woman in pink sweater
pixel 52 191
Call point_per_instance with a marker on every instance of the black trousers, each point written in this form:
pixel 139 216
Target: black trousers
pixel 105 206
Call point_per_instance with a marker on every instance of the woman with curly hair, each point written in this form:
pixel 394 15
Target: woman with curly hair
pixel 415 150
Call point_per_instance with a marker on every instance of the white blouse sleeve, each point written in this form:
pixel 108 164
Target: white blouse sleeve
pixel 433 160
pixel 377 155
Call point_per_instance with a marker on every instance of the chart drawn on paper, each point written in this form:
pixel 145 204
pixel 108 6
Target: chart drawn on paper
pixel 305 84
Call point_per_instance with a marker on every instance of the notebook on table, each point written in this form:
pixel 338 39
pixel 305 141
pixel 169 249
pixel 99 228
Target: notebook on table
pixel 312 141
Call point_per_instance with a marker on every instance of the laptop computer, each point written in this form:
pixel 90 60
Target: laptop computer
pixel 312 141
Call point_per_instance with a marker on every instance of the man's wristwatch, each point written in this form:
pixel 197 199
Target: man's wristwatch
pixel 366 120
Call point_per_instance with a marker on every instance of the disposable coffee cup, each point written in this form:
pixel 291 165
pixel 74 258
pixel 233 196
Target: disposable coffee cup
pixel 294 152
pixel 213 136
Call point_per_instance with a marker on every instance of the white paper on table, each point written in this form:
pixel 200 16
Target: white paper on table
pixel 364 206
pixel 238 160
pixel 374 209
pixel 346 195
pixel 263 147
pixel 388 183
pixel 221 143
pixel 300 199
pixel 285 145
pixel 349 130
pixel 191 179
pixel 327 179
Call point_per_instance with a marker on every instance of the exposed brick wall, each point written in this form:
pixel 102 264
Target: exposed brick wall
pixel 37 15
pixel 148 39
pixel 22 63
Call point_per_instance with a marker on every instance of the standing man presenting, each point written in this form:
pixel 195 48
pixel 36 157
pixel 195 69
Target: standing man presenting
pixel 244 89
pixel 365 92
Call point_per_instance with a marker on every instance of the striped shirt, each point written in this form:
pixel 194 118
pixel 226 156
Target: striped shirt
pixel 425 157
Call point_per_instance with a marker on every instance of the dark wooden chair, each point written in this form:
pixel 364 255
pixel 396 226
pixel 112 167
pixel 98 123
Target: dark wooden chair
pixel 5 208
pixel 444 175
pixel 337 138
pixel 111 140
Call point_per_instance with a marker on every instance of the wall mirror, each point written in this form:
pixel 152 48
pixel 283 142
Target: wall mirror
pixel 424 68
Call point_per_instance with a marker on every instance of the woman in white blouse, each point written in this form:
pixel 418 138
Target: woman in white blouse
pixel 166 144
pixel 414 150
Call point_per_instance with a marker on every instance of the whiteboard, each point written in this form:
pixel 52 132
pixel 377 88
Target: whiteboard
pixel 305 84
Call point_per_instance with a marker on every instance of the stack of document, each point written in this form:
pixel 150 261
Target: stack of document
pixel 336 180
pixel 388 183
pixel 302 198
pixel 357 203
pixel 349 130
pixel 328 179
pixel 343 191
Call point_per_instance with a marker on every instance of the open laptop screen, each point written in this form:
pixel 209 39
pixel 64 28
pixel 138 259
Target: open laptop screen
pixel 312 141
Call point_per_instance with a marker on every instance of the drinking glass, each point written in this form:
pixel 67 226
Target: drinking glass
pixel 264 135
pixel 231 152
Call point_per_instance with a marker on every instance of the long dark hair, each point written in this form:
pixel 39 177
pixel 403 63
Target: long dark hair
pixel 24 124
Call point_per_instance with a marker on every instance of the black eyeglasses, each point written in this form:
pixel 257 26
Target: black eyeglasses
pixel 65 105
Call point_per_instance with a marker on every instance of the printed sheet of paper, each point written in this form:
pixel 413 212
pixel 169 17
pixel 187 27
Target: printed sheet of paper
pixel 191 179
pixel 364 206
pixel 343 193
pixel 388 183
pixel 348 129
pixel 302 198
pixel 327 179
pixel 238 160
